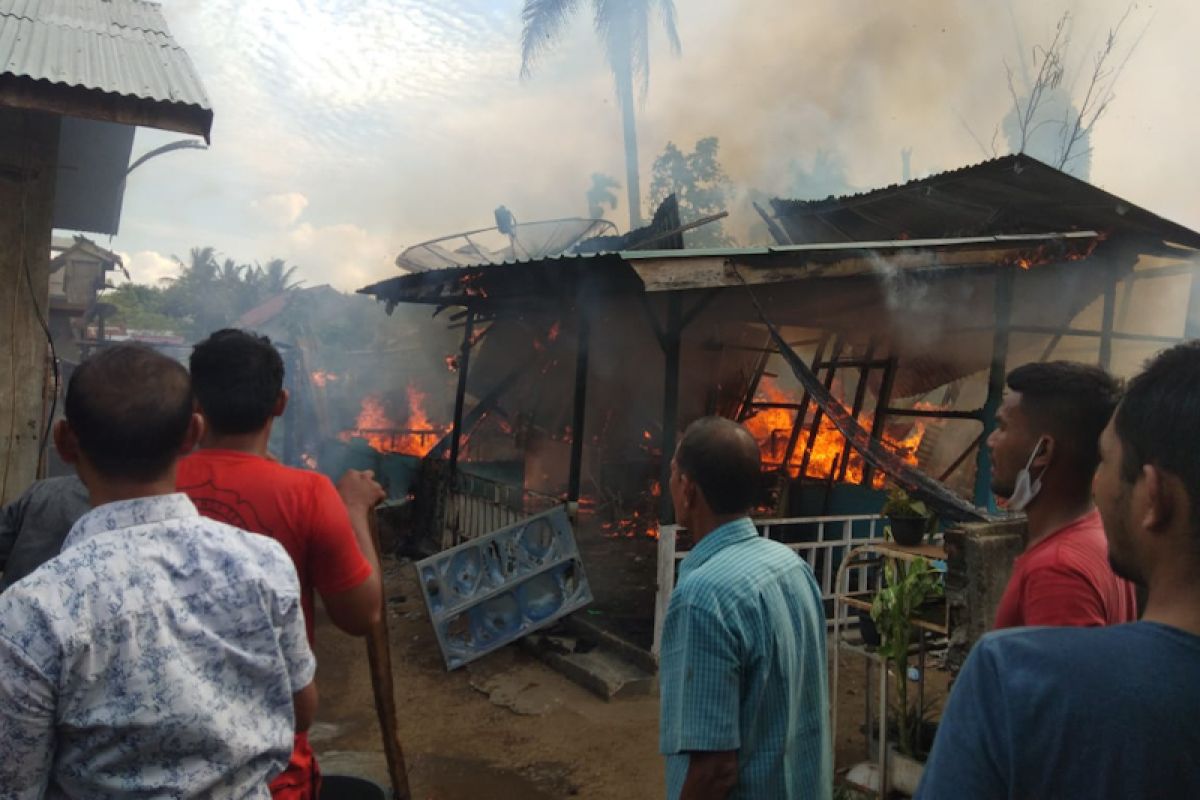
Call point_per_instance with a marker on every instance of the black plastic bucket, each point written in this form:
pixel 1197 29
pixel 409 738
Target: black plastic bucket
pixel 350 787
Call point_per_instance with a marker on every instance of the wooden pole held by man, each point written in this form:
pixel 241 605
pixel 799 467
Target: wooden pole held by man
pixel 379 656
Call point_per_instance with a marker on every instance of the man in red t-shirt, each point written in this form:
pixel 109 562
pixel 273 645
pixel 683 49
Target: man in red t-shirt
pixel 1044 454
pixel 238 382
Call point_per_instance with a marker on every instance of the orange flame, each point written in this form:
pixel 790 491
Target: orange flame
pixel 322 378
pixel 772 427
pixel 383 434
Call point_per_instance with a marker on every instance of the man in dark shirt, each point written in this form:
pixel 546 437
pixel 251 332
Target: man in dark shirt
pixel 33 527
pixel 1105 712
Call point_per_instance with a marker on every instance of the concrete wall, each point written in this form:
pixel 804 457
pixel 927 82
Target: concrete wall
pixel 28 166
pixel 979 561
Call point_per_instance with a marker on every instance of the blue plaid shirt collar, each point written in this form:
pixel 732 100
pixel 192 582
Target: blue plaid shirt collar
pixel 128 514
pixel 731 533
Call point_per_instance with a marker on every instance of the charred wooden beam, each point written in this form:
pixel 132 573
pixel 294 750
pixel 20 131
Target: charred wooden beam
pixel 579 418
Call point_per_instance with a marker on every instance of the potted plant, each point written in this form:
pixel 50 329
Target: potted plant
pixel 907 586
pixel 908 519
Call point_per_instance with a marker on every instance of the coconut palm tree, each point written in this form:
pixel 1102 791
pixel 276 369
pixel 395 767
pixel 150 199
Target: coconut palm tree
pixel 275 278
pixel 624 29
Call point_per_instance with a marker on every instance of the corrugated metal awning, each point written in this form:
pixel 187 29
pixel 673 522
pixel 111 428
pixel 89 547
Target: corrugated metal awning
pixel 112 60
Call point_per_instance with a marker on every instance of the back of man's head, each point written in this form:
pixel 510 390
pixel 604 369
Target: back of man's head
pixel 129 408
pixel 1158 421
pixel 723 460
pixel 237 377
pixel 1070 402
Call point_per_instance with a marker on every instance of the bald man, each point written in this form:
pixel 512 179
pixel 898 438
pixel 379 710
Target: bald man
pixel 744 686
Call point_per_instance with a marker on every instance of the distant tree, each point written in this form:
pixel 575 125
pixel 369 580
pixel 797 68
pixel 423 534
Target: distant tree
pixel 1047 119
pixel 141 307
pixel 827 177
pixel 600 195
pixel 624 30
pixel 701 185
pixel 274 279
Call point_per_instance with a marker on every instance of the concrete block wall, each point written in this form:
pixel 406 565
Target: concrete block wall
pixel 979 561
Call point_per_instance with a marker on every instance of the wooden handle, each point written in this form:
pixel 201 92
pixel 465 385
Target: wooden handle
pixel 379 656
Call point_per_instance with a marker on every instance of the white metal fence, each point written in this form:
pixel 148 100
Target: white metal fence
pixel 830 538
pixel 476 506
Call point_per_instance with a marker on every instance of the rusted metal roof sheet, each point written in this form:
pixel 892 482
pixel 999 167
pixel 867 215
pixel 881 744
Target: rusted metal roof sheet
pixel 1013 194
pixel 559 278
pixel 65 56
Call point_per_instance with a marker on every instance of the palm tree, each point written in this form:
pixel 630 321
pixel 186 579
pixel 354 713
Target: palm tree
pixel 624 29
pixel 275 278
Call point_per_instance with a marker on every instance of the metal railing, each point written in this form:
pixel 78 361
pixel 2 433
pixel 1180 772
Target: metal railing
pixel 476 506
pixel 829 539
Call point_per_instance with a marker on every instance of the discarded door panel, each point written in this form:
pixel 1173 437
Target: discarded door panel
pixel 490 591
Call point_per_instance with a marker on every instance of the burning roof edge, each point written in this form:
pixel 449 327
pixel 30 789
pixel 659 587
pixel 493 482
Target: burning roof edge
pixel 680 270
pixel 1002 175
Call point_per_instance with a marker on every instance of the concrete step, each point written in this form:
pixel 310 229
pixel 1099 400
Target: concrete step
pixel 595 661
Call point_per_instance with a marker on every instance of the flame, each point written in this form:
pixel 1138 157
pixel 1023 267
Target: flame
pixel 322 378
pixel 771 428
pixel 638 523
pixel 383 434
pixel 555 329
pixel 452 363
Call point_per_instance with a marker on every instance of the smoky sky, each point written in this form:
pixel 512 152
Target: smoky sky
pixel 347 130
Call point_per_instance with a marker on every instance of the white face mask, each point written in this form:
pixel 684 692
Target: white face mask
pixel 1026 487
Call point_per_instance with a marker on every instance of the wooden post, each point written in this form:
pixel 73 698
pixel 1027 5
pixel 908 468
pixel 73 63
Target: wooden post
pixel 28 160
pixel 579 417
pixel 464 359
pixel 1003 318
pixel 670 420
pixel 1106 323
pixel 379 657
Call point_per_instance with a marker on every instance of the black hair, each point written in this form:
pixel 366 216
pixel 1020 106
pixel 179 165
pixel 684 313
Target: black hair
pixel 237 377
pixel 1072 402
pixel 723 459
pixel 130 407
pixel 1158 421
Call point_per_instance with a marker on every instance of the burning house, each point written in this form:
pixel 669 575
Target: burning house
pixel 871 340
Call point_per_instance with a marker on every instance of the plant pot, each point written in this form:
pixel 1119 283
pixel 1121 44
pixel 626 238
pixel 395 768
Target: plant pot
pixel 904 772
pixel 908 531
pixel 867 628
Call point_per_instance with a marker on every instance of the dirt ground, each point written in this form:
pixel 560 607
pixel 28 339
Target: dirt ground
pixel 506 727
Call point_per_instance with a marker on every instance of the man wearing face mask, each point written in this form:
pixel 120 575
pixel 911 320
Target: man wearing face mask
pixel 1044 454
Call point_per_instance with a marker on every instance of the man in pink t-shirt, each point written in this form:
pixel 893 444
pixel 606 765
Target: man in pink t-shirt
pixel 1044 454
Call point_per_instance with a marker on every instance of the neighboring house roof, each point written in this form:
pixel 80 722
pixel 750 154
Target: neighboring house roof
pixel 1012 194
pixel 112 60
pixel 83 245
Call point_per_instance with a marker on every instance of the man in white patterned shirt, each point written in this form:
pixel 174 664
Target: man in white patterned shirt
pixel 161 654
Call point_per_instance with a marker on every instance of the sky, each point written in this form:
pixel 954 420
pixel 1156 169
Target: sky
pixel 346 130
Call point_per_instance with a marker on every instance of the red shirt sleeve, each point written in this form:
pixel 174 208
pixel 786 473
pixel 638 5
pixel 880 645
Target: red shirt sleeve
pixel 1058 595
pixel 336 562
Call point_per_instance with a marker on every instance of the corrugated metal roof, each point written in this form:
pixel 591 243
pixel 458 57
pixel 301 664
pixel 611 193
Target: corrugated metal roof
pixel 1011 194
pixel 118 47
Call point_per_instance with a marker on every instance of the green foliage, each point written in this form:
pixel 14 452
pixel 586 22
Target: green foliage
pixel 203 297
pixel 900 504
pixel 701 185
pixel 906 587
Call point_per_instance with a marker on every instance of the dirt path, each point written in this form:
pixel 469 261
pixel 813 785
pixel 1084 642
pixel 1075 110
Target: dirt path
pixel 506 727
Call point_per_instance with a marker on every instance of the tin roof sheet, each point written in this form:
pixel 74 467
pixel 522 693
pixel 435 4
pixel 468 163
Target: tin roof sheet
pixel 117 47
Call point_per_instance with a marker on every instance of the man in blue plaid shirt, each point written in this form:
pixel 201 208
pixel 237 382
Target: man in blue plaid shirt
pixel 744 683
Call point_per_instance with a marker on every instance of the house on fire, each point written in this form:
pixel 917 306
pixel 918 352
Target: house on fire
pixel 903 308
